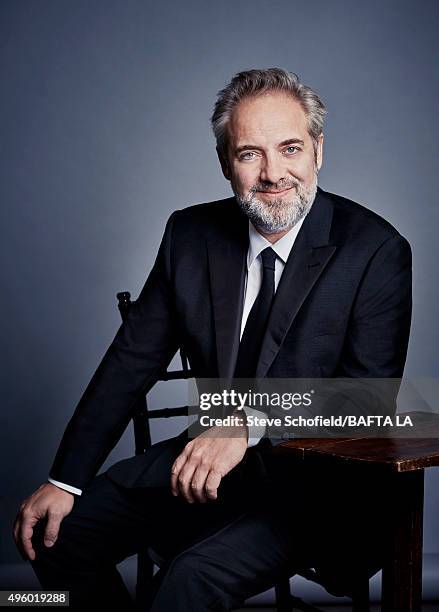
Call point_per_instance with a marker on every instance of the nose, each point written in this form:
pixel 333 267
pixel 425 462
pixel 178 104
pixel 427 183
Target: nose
pixel 272 170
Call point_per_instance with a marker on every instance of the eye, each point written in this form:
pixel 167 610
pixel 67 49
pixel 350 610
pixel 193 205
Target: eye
pixel 247 155
pixel 292 149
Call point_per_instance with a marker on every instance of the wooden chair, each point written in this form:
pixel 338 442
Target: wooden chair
pixel 285 601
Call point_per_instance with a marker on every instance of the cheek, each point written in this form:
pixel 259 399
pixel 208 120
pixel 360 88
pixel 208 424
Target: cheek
pixel 303 170
pixel 245 179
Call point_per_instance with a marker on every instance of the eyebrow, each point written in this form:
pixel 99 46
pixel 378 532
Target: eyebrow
pixel 284 143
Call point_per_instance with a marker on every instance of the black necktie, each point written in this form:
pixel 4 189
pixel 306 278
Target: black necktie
pixel 254 330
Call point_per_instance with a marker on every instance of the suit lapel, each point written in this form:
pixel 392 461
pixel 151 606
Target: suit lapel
pixel 306 262
pixel 227 258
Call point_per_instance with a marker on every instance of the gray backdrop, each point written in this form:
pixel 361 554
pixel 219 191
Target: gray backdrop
pixel 105 110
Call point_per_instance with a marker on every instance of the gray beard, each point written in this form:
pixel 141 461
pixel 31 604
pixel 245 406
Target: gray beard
pixel 281 213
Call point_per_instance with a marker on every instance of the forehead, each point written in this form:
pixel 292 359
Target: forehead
pixel 269 117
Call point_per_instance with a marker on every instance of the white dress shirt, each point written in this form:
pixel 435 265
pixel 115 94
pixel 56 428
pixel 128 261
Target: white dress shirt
pixel 253 282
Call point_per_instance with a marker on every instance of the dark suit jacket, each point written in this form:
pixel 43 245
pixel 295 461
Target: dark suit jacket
pixel 342 309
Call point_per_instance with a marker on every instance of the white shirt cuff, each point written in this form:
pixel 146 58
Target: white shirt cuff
pixel 255 432
pixel 64 486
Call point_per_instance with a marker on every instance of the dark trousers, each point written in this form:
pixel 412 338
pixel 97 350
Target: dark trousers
pixel 218 553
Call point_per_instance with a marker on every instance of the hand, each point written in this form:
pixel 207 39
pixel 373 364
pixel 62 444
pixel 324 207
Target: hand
pixel 48 500
pixel 198 470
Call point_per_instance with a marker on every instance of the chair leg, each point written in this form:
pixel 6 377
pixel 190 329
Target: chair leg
pixel 283 595
pixel 360 597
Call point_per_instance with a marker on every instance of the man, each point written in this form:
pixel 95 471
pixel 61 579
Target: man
pixel 282 280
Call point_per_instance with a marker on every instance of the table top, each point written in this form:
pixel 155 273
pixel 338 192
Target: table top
pixel 418 449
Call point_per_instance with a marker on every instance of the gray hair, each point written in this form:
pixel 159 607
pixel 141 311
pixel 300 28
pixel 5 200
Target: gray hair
pixel 255 82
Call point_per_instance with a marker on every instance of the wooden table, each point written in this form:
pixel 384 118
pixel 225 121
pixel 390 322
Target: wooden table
pixel 405 460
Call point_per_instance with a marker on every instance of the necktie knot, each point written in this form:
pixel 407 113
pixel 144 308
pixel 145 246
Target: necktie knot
pixel 268 257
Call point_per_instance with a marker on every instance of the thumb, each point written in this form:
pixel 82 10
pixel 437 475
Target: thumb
pixel 51 531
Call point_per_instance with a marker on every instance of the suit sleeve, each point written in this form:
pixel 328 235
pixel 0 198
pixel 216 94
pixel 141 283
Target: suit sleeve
pixel 378 334
pixel 371 364
pixel 375 349
pixel 142 348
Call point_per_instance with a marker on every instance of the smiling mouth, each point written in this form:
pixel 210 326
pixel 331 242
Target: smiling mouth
pixel 276 192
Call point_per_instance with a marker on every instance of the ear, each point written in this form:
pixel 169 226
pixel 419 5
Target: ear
pixel 319 151
pixel 225 166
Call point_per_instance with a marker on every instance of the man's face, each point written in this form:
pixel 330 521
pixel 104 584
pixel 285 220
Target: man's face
pixel 271 162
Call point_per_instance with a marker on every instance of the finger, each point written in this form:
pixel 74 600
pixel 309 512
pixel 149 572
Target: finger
pixel 52 529
pixel 197 484
pixel 27 531
pixel 17 522
pixel 17 529
pixel 212 483
pixel 185 479
pixel 175 471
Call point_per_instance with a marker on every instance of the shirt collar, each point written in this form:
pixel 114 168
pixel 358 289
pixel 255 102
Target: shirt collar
pixel 281 247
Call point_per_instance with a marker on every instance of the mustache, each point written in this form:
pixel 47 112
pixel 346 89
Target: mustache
pixel 266 186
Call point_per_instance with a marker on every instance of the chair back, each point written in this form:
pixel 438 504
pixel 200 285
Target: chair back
pixel 141 414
